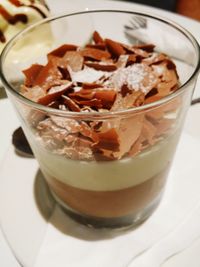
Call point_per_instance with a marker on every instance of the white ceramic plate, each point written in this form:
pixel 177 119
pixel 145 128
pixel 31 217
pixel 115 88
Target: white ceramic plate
pixel 26 206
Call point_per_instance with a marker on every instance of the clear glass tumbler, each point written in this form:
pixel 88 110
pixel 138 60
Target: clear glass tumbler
pixel 124 190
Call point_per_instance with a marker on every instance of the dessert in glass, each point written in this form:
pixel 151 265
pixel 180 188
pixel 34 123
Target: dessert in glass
pixel 103 112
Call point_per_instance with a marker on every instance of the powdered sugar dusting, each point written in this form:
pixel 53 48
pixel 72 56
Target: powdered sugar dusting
pixel 88 75
pixel 137 77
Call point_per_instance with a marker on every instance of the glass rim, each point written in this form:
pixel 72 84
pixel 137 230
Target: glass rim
pixel 94 114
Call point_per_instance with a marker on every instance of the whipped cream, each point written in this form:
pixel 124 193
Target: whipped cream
pixel 16 15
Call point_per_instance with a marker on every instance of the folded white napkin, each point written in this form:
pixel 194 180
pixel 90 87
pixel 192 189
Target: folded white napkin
pixel 179 239
pixel 68 243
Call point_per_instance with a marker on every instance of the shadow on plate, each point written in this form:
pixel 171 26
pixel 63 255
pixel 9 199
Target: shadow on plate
pixel 65 222
pixel 44 200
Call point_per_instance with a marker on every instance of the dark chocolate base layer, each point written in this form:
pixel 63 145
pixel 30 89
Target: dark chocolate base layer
pixel 109 204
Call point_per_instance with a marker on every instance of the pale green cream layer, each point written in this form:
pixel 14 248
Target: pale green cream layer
pixel 109 175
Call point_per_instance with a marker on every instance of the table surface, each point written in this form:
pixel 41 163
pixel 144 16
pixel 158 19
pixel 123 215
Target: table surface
pixel 191 256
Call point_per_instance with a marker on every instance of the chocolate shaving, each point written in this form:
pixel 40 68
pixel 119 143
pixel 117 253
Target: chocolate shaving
pixel 74 60
pixel 93 103
pixel 52 97
pixel 65 73
pixel 103 67
pixel 103 155
pixel 125 90
pixel 131 59
pixel 130 100
pixel 135 50
pixel 83 95
pixel 91 85
pixel 164 126
pixel 103 76
pixel 100 46
pixel 48 75
pixel 98 98
pixel 71 104
pixel 97 38
pixel 96 54
pixel 146 47
pixel 107 97
pixel 60 51
pixel 136 147
pixel 108 140
pixel 115 48
pixel 31 74
pixel 149 132
pixel 33 93
pixel 128 132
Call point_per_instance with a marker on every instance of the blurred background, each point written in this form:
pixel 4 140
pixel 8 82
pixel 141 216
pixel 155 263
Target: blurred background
pixel 189 8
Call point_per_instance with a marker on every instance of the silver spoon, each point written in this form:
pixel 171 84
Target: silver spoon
pixel 21 144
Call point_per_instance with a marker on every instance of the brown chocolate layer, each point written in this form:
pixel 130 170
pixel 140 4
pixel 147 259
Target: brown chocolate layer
pixel 109 204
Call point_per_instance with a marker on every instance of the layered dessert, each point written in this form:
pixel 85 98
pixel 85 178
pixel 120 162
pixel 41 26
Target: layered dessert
pixel 15 15
pixel 105 152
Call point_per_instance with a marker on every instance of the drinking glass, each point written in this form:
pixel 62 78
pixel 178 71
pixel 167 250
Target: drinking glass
pixel 99 185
